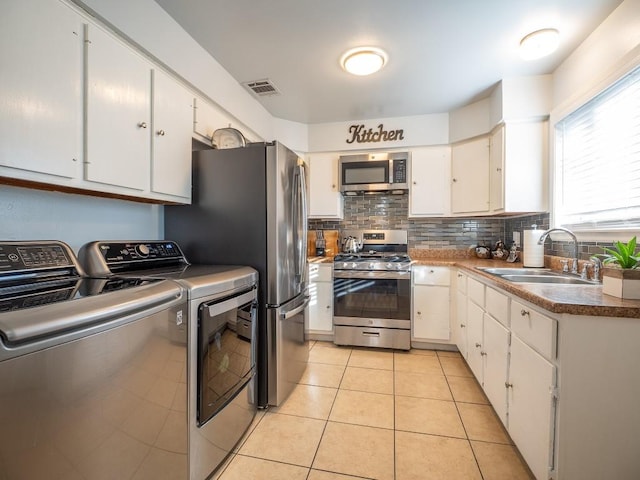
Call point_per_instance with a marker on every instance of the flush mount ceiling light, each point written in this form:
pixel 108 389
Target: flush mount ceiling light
pixel 363 60
pixel 539 44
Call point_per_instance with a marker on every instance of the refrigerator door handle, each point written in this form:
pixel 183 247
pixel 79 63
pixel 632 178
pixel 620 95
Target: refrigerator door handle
pixel 295 311
pixel 300 202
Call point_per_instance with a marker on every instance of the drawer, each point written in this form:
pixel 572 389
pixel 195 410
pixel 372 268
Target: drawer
pixel 425 275
pixel 372 337
pixel 475 291
pixel 320 272
pixel 497 305
pixel 535 329
pixel 461 282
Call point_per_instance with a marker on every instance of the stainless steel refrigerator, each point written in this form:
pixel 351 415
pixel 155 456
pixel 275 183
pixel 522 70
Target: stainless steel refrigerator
pixel 249 208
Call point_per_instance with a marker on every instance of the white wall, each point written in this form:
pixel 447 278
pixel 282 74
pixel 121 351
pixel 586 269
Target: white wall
pixel 75 219
pixel 417 130
pixel 590 67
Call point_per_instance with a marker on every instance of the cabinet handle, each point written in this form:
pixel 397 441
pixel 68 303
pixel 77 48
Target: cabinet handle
pixel 328 306
pixel 415 183
pixel 455 180
pixel 142 124
pixel 498 169
pixel 419 313
pixel 431 271
pixel 524 312
pixel 161 133
pixel 508 385
pixel 333 186
pixel 478 345
pixel 459 275
pixel 462 325
pixel 483 353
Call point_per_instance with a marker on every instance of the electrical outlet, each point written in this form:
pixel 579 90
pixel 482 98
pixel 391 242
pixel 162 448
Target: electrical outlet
pixel 516 238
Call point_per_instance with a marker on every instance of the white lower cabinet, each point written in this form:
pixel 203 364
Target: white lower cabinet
pixel 518 381
pixel 531 406
pixel 474 339
pixel 495 355
pixel 431 304
pixel 460 320
pixel 320 310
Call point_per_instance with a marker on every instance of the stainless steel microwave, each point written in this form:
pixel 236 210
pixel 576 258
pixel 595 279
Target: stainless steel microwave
pixel 374 173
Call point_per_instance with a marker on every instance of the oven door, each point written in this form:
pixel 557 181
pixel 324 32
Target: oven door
pixel 226 353
pixel 372 298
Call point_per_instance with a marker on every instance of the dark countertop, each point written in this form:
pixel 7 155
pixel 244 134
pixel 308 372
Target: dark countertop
pixel 556 298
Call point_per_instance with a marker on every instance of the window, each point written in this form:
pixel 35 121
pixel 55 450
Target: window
pixel 597 172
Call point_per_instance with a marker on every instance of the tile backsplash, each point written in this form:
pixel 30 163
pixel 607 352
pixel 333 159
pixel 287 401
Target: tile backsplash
pixel 389 212
pixel 382 212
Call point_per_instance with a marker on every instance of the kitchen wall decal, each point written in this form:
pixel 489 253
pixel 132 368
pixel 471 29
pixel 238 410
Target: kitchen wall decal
pixel 360 134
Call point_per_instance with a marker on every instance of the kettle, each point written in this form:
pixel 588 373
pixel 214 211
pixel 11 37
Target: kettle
pixel 351 245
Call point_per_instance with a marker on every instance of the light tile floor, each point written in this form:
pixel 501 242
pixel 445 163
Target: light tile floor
pixel 378 414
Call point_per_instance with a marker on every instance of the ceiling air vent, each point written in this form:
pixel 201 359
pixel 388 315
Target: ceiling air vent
pixel 262 87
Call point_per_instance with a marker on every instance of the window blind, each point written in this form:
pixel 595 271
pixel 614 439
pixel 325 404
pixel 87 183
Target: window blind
pixel 598 161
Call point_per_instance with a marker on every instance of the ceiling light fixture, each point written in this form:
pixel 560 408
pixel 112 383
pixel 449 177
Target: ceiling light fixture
pixel 363 60
pixel 539 44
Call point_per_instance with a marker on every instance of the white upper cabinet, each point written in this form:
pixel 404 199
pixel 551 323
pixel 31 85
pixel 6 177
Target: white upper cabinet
pixel 518 167
pixel 118 113
pixel 496 170
pixel 40 81
pixel 325 199
pixel 470 177
pixel 172 124
pixel 429 194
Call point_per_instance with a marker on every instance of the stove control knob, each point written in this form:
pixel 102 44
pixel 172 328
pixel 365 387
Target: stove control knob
pixel 354 265
pixel 389 266
pixel 372 266
pixel 142 250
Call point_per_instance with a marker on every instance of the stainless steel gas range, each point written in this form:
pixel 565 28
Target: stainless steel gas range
pixel 372 290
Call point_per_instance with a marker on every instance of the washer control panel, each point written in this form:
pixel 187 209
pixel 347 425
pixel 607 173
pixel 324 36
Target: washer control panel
pixel 104 258
pixel 16 257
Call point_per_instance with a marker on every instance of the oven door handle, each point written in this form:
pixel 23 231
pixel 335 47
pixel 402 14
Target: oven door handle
pixel 295 311
pixel 371 274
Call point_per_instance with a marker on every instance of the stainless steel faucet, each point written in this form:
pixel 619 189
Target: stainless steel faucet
pixel 543 237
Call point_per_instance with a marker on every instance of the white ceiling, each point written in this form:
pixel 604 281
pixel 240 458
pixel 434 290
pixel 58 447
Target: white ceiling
pixel 443 54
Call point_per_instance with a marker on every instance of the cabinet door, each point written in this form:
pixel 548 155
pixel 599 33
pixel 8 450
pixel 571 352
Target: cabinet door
pixel 474 339
pixel 531 406
pixel 429 193
pixel 496 357
pixel 431 313
pixel 325 199
pixel 40 81
pixel 496 170
pixel 118 113
pixel 461 323
pixel 321 307
pixel 470 177
pixel 172 124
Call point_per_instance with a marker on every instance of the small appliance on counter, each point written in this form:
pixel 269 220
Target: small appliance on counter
pixel 532 251
pixel 321 244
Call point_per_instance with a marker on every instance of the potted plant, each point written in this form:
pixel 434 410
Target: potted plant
pixel 621 274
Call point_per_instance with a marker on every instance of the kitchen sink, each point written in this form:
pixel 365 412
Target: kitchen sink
pixel 538 275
